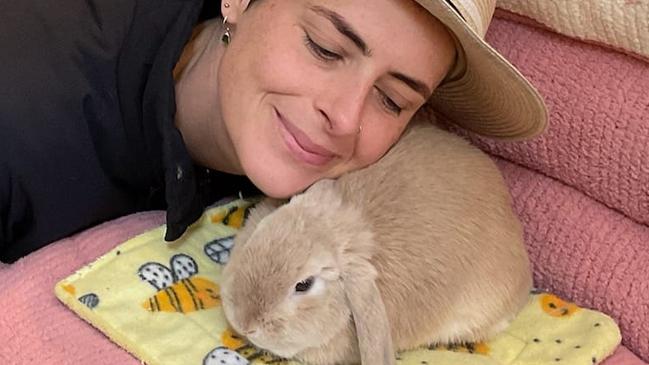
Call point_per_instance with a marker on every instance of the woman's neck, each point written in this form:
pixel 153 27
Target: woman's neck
pixel 197 111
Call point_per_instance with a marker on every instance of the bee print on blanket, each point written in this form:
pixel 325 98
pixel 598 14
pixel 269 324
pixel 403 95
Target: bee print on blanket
pixel 90 300
pixel 224 356
pixel 233 217
pixel 557 307
pixel 178 288
pixel 219 249
pixel 236 351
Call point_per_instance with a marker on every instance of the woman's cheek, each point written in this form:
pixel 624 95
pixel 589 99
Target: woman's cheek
pixel 377 137
pixel 283 71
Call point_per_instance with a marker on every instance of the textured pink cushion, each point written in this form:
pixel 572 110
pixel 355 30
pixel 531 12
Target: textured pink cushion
pixel 598 140
pixel 620 25
pixel 35 328
pixel 623 356
pixel 582 250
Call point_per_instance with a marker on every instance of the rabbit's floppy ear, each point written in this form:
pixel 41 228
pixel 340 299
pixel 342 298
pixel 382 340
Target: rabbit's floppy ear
pixel 369 315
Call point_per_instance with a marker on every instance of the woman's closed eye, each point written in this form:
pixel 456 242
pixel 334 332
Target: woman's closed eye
pixel 319 51
pixel 388 103
pixel 326 55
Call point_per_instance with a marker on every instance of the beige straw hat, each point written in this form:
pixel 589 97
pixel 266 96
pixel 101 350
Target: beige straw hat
pixel 484 92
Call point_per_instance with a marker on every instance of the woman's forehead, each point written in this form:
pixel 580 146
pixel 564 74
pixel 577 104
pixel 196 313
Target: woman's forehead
pixel 398 30
pixel 407 13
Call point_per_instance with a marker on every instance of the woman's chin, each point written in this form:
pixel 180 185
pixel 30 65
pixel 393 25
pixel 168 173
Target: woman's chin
pixel 279 186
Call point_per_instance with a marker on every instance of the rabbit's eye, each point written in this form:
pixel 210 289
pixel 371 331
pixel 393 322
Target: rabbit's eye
pixel 304 285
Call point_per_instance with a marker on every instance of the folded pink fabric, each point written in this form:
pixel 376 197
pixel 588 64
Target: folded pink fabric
pixel 598 140
pixel 582 250
pixel 623 356
pixel 35 328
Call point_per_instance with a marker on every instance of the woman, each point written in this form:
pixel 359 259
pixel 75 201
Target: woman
pixel 111 107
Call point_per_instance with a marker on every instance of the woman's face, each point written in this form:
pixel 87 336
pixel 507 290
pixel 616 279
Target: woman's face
pixel 310 89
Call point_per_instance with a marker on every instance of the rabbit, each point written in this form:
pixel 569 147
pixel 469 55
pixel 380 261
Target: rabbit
pixel 422 247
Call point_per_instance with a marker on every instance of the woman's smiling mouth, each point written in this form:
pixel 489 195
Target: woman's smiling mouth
pixel 301 146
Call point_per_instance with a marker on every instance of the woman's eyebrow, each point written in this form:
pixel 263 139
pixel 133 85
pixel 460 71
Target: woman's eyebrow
pixel 348 31
pixel 343 27
pixel 419 86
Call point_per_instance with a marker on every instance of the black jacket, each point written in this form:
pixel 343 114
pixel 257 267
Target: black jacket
pixel 86 118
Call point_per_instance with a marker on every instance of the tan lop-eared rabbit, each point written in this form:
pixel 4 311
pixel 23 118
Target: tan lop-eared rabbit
pixel 420 248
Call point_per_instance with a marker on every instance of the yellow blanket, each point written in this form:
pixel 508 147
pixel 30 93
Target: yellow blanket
pixel 161 303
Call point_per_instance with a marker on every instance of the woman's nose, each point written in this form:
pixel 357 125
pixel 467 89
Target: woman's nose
pixel 342 106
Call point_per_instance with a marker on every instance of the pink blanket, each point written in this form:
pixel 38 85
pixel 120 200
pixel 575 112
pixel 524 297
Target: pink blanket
pixel 582 250
pixel 597 143
pixel 35 328
pixel 598 140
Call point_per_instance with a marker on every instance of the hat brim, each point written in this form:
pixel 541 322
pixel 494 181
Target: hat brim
pixel 485 93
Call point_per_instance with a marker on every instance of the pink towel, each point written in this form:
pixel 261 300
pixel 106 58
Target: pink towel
pixel 598 140
pixel 35 328
pixel 623 356
pixel 582 250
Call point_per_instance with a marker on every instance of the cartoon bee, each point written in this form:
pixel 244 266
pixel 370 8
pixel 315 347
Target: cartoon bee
pixel 178 289
pixel 219 249
pixel 90 300
pixel 224 356
pixel 479 348
pixel 233 217
pixel 235 344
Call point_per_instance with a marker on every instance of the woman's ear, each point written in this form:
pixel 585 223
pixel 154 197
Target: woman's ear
pixel 232 9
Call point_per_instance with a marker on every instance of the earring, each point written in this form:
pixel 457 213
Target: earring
pixel 360 128
pixel 227 36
